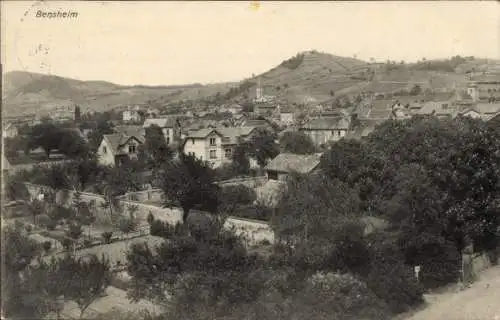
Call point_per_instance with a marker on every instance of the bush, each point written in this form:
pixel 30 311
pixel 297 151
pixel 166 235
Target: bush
pixel 51 224
pixel 47 245
pixel 164 229
pixel 87 243
pixel 395 283
pixel 336 296
pixel 67 243
pixel 119 283
pixel 106 236
pixel 151 218
pixel 28 227
pixel 256 212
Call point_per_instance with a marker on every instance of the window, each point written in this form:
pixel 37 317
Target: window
pixel 213 154
pixel 132 148
pixel 212 141
pixel 104 149
pixel 272 175
pixel 168 140
pixel 228 153
pixel 192 140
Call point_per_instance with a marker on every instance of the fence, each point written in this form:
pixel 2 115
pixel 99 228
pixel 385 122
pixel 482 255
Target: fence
pixel 253 231
pixel 252 182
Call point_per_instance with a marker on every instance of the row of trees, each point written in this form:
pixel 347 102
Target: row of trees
pixel 34 287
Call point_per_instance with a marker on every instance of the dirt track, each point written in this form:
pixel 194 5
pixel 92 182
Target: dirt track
pixel 479 302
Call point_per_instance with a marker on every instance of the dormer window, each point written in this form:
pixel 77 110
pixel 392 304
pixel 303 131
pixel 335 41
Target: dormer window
pixel 132 148
pixel 212 141
pixel 104 149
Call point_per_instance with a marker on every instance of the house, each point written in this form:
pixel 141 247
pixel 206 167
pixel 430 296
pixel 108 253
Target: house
pixel 484 87
pixel 117 148
pixel 169 127
pixel 216 145
pixel 324 130
pixel 130 130
pixel 286 116
pixel 132 114
pixel 285 163
pixel 258 123
pixel 400 112
pixel 10 130
pixel 488 110
pixel 495 118
pixel 470 112
pixel 442 109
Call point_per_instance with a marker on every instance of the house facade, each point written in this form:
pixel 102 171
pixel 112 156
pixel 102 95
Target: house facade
pixel 287 117
pixel 325 130
pixel 216 145
pixel 206 145
pixel 10 130
pixel 131 114
pixel 116 149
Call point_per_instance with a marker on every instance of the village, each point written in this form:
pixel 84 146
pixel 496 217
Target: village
pixel 250 161
pixel 286 142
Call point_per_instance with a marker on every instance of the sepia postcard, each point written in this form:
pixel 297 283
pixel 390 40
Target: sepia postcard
pixel 250 160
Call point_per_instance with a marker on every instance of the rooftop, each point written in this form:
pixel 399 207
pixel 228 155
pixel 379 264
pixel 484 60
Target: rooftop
pixel 169 122
pixel 116 140
pixel 289 162
pixel 326 124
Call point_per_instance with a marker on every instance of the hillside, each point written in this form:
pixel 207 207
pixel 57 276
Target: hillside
pixel 307 77
pixel 320 77
pixel 26 92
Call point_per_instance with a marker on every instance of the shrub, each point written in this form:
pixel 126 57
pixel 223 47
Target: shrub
pixel 28 227
pixel 151 218
pixel 87 243
pixel 164 229
pixel 257 212
pixel 18 225
pixel 51 224
pixel 394 283
pixel 67 243
pixel 47 245
pixel 106 236
pixel 337 296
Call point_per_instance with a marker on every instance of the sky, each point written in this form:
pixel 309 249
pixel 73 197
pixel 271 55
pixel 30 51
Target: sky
pixel 166 43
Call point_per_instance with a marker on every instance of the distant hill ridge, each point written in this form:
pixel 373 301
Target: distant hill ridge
pixel 307 76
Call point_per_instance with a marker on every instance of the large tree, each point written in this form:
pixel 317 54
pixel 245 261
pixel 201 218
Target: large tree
pixel 262 146
pixel 17 253
pixel 189 183
pixel 154 151
pixel 312 206
pixel 297 142
pixel 101 127
pixel 85 279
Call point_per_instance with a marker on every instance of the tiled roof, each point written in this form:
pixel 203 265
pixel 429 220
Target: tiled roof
pixel 379 114
pixel 202 133
pixel 231 135
pixel 255 123
pixel 160 122
pixel 289 162
pixel 116 140
pixel 486 78
pixel 488 108
pixel 326 124
pixel 137 131
pixel 437 108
